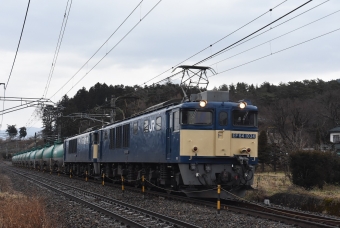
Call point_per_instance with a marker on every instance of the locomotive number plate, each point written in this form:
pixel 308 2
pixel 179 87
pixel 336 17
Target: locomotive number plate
pixel 244 136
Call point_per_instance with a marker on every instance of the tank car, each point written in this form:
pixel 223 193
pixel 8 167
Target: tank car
pixel 188 146
pixel 47 158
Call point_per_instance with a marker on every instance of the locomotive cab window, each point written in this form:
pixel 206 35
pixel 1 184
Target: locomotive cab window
pixel 244 118
pixel 196 117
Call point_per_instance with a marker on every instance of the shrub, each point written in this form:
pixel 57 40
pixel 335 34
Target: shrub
pixel 314 168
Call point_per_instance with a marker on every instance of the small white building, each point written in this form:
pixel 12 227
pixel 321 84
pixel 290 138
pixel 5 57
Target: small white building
pixel 335 138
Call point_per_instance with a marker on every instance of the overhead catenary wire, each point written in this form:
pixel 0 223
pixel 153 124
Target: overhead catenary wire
pixel 211 56
pixel 55 57
pixel 22 30
pixel 270 41
pixel 244 38
pixel 99 48
pixel 53 65
pixel 115 45
pixel 216 42
pixel 271 28
pixel 60 39
pixel 294 30
pixel 91 69
pixel 16 53
pixel 284 49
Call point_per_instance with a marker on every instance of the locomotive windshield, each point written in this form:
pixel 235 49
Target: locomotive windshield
pixel 196 117
pixel 244 118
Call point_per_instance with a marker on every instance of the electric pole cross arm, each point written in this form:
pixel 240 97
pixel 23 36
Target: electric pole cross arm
pixel 112 106
pixel 82 116
pixel 25 103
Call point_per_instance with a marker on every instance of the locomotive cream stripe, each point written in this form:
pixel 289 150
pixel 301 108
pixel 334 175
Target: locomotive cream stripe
pixel 95 151
pixel 216 143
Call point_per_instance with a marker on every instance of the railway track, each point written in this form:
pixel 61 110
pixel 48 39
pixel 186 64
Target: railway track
pixel 128 215
pixel 290 217
pixel 281 215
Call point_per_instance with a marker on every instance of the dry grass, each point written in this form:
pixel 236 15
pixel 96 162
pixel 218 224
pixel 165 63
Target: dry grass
pixel 17 210
pixel 270 183
pixel 22 211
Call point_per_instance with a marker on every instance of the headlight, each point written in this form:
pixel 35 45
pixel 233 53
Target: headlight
pixel 242 104
pixel 203 103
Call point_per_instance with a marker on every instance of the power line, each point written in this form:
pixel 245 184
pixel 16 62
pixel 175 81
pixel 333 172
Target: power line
pixel 284 49
pixel 56 52
pixel 271 28
pixel 98 49
pixel 228 47
pixel 110 49
pixel 211 56
pixel 22 30
pixel 215 42
pixel 5 86
pixel 53 64
pixel 294 30
pixel 115 45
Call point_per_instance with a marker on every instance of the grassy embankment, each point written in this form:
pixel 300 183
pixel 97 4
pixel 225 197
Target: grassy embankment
pixel 18 210
pixel 267 185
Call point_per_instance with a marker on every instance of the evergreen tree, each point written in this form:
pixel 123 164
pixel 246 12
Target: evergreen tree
pixel 263 150
pixel 11 131
pixel 22 132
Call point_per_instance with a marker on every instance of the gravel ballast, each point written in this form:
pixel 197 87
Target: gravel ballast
pixel 72 214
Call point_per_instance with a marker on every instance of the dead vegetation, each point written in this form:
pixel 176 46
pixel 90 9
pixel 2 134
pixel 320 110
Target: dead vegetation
pixel 268 184
pixel 18 210
pixel 279 188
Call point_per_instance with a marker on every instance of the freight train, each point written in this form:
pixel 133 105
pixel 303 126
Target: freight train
pixel 190 146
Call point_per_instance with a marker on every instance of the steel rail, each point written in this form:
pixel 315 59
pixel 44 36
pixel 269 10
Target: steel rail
pixel 287 216
pixel 166 219
pixel 122 219
pixel 295 214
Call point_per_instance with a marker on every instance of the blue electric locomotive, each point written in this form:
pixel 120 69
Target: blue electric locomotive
pixel 184 146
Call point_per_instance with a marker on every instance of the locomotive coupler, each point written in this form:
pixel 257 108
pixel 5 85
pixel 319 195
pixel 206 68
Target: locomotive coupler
pixel 243 161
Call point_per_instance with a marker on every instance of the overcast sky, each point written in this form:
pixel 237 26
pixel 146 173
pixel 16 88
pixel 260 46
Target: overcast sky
pixel 173 31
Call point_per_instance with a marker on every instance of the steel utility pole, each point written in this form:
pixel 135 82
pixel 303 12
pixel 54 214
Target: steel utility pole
pixel 113 110
pixel 113 106
pixel 3 103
